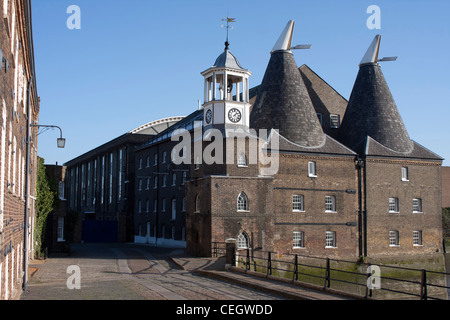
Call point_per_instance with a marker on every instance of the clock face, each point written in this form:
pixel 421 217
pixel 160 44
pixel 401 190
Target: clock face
pixel 208 116
pixel 234 115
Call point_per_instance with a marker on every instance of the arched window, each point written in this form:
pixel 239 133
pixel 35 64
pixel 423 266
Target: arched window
pixel 197 203
pixel 242 241
pixel 242 202
pixel 242 160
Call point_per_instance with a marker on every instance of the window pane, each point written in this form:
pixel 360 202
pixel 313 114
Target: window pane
pixel 393 238
pixel 417 205
pixel 393 205
pixel 417 238
pixel 311 169
pixel 330 204
pixel 242 241
pixel 297 203
pixel 242 203
pixel 242 160
pixel 334 121
pixel 404 173
pixel 330 239
pixel 298 239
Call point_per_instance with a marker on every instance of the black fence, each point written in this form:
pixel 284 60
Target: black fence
pixel 362 279
pixel 218 249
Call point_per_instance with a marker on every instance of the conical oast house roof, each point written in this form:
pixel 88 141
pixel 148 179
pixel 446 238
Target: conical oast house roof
pixel 372 111
pixel 283 102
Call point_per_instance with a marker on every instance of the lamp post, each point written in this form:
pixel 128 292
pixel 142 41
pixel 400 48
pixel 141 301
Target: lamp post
pixel 61 142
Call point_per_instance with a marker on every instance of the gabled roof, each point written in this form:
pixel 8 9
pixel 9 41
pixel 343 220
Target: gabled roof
pixel 374 148
pixel 328 147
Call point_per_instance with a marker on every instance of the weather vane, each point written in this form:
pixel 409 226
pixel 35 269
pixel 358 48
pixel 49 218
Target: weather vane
pixel 228 20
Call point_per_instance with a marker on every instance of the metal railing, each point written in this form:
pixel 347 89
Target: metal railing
pixel 218 249
pixel 348 276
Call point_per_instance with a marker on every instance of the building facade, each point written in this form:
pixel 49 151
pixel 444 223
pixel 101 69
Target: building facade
pixel 19 105
pixel 100 185
pixel 350 181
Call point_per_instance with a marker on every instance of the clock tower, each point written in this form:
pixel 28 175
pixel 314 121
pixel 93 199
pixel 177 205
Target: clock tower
pixel 226 102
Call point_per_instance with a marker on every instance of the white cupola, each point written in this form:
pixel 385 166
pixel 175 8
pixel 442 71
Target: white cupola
pixel 226 101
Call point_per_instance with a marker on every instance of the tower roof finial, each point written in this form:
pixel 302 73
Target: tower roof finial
pixel 228 27
pixel 285 39
pixel 371 55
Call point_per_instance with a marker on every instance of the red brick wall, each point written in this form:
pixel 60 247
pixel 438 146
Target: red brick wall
pixel 14 124
pixel 384 181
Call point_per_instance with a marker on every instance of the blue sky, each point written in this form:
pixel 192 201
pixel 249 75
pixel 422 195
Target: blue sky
pixel 136 61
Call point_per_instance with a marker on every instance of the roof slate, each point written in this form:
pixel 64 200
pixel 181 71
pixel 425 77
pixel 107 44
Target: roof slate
pixel 283 103
pixel 372 111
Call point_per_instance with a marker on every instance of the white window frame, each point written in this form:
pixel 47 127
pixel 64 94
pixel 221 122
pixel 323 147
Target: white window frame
pixel 242 160
pixel 61 190
pixel 394 206
pixel 405 174
pixel 335 121
pixel 312 169
pixel 243 241
pixel 330 204
pixel 394 238
pixel 417 205
pixel 298 240
pixel 163 208
pixel 298 203
pixel 242 202
pixel 330 239
pixel 60 232
pixel 417 238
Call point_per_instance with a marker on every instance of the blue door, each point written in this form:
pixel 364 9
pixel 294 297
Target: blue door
pixel 99 231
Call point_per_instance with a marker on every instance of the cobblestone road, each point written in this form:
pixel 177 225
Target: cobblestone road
pixel 128 272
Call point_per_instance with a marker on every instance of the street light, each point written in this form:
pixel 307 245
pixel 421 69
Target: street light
pixel 61 142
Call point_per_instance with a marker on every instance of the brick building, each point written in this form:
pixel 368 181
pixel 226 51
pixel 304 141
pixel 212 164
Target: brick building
pixel 100 185
pixel 56 228
pixel 287 166
pixel 19 105
pixel 400 188
pixel 350 181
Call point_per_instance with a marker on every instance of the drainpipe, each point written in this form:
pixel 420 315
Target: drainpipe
pixel 27 189
pixel 359 164
pixel 365 206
